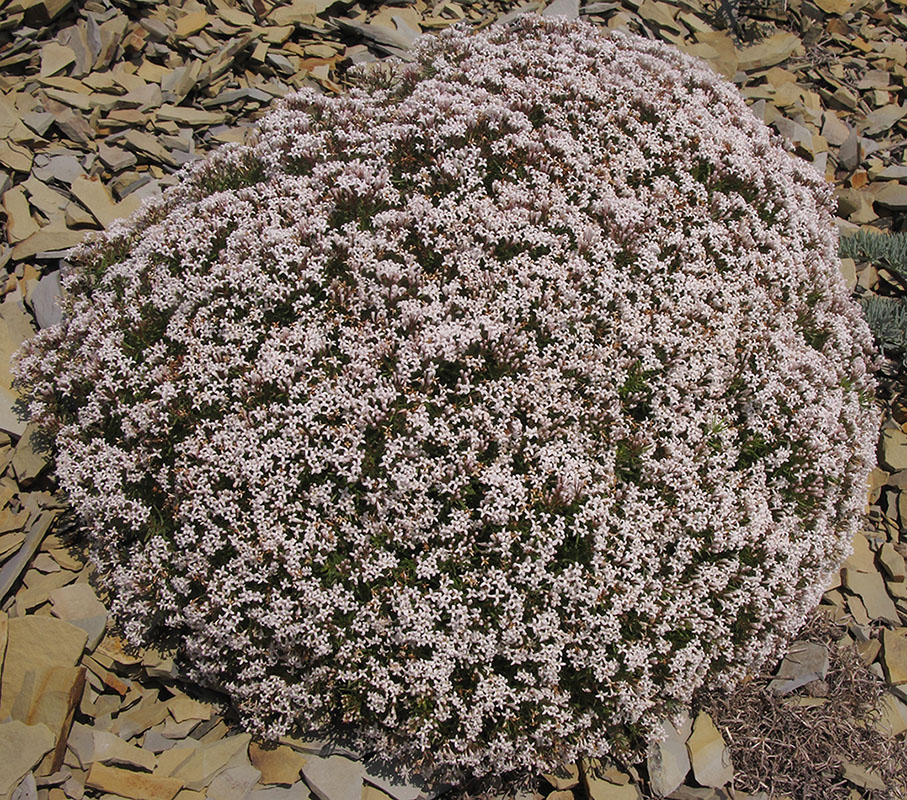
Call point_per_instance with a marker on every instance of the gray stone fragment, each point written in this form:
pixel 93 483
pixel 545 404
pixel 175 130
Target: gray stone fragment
pixel 129 182
pixel 56 779
pixel 834 130
pixel 407 32
pixel 115 158
pixel 334 778
pixel 157 29
pixel 893 172
pixel 27 789
pixel 382 35
pixel 804 663
pixel 65 169
pixel 74 126
pixel 79 605
pixel 92 37
pixel 156 742
pixel 74 788
pixel 522 9
pixel 298 791
pixel 234 783
pixel 44 299
pixel 30 458
pixel 81 744
pixel 793 131
pixel 38 121
pixel 562 8
pixel 232 95
pixel 668 762
pixel 849 156
pixel 893 195
pixel 281 63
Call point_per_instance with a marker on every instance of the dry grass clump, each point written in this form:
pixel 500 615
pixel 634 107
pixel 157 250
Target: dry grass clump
pixel 798 751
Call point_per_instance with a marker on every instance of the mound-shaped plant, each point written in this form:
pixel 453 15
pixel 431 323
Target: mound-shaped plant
pixel 489 410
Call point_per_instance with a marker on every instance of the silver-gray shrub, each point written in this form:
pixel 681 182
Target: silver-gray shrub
pixel 489 410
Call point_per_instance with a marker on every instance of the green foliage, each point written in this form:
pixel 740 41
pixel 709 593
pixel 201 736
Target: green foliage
pixel 886 316
pixel 882 250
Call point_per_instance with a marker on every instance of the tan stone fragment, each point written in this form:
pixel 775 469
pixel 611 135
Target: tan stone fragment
pixel 607 784
pixel 55 57
pixel 709 754
pixel 210 759
pixel 113 751
pixel 298 11
pixel 894 655
pixel 19 222
pixel 49 238
pixel 134 785
pixel 190 116
pixel 13 522
pixel 96 197
pixel 235 17
pixel 50 697
pixel 370 792
pixel 893 718
pixel 871 589
pixel 171 760
pixel 281 765
pixel 15 328
pixel 79 605
pixel 15 157
pixel 183 708
pixel 862 558
pixel 859 775
pixel 896 52
pixel 21 747
pixel 892 563
pixel 191 24
pixel 771 51
pixel 113 648
pixel 883 119
pixel 894 449
pixel 36 644
pixel 835 6
pixel 138 719
pixel 9 116
pixel 564 778
pixel 893 195
pixel 717 48
pixel 662 14
pixel 9 543
pixel 30 458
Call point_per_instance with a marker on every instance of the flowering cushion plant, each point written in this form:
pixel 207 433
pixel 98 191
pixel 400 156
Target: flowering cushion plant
pixel 488 411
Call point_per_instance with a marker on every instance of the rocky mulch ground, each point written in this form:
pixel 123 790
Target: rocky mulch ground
pixel 102 102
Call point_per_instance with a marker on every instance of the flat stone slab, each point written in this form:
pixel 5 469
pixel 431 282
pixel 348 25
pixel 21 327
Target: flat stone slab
pixel 334 778
pixel 805 662
pixel 668 761
pixel 282 765
pixel 21 748
pixel 36 644
pixel 132 785
pixel 709 754
pixel 894 655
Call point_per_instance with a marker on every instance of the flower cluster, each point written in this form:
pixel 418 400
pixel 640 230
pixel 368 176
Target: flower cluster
pixel 488 410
